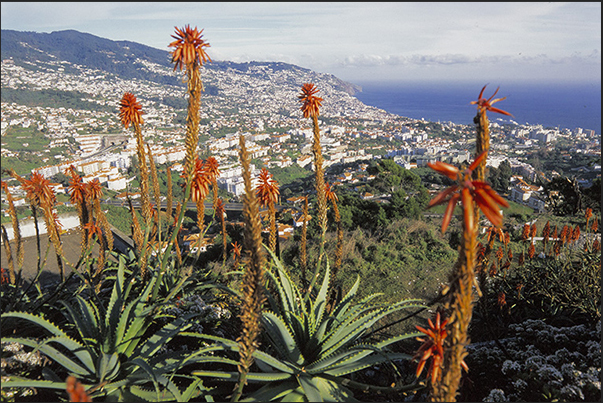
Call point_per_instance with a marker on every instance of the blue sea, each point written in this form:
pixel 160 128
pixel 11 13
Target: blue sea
pixel 562 105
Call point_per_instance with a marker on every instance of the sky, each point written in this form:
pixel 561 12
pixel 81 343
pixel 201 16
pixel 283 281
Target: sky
pixel 357 42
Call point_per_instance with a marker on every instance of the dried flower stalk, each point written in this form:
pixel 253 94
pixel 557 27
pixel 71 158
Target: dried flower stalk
pixel 253 276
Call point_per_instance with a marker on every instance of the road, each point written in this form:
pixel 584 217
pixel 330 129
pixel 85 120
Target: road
pixel 190 205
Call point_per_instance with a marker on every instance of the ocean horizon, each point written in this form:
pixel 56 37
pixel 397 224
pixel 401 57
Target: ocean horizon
pixel 561 105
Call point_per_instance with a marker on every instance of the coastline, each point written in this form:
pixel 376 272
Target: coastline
pixel 562 105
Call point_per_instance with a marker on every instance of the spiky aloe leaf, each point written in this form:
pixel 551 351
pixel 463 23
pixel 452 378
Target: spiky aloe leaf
pixel 139 321
pixel 296 395
pixel 288 292
pixel 38 320
pixel 86 321
pixel 108 366
pixel 54 354
pixel 122 325
pixel 321 301
pixel 274 391
pixel 346 302
pixel 355 364
pixel 142 364
pixel 282 338
pixel 60 337
pixel 115 306
pixel 193 390
pixel 349 332
pixel 333 391
pixel 360 357
pixel 310 389
pixel 299 326
pixel 148 395
pixel 251 376
pixel 30 383
pixel 164 335
pixel 229 345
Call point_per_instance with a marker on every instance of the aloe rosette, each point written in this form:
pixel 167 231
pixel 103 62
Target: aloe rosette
pixel 312 350
pixel 116 357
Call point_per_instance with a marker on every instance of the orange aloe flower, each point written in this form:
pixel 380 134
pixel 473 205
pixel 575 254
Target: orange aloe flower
pixel 95 189
pixel 38 190
pixel 433 347
pixel 557 247
pixel 213 170
pixel 4 276
pixel 467 191
pixel 267 190
pixel 499 253
pixel 486 104
pixel 92 229
pixel 502 299
pixel 525 233
pixel 189 47
pixel 236 250
pixel 76 187
pixel 533 231
pixel 546 232
pixel 311 103
pixel 329 193
pixel 576 233
pixel 76 390
pixel 595 225
pixel 532 251
pixel 563 236
pixel 588 214
pixel 200 182
pixel 130 111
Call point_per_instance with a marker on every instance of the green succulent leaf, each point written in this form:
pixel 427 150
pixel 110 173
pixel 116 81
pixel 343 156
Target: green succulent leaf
pixel 31 383
pixel 321 300
pixel 310 389
pixel 275 390
pixel 54 354
pixel 282 338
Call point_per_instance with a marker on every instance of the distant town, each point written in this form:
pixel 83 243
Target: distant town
pixel 92 139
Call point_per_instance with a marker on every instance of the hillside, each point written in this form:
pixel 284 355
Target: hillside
pixel 82 59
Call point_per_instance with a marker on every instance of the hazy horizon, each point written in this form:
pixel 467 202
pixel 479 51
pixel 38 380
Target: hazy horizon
pixel 357 41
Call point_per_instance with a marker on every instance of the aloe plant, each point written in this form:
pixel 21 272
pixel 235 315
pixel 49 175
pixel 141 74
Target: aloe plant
pixel 312 349
pixel 118 355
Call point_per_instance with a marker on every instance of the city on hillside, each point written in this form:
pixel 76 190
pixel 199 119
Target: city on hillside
pixel 89 136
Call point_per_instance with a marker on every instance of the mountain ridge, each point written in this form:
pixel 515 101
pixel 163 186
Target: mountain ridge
pixel 119 57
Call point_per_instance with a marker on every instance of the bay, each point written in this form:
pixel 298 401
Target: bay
pixel 562 105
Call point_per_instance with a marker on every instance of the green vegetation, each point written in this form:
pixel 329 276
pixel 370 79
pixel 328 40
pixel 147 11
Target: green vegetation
pixel 336 315
pixel 56 98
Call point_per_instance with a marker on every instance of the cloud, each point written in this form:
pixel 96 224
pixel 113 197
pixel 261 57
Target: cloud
pixel 363 60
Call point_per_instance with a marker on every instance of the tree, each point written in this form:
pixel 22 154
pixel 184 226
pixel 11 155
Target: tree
pixel 500 178
pixel 565 196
